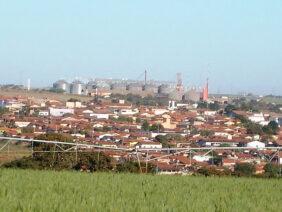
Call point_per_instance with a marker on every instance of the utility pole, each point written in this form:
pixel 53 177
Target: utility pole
pixel 145 77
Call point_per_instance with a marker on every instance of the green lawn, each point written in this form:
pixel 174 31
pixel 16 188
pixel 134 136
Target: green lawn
pixel 27 190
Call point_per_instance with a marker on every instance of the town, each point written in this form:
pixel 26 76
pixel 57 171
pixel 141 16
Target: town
pixel 207 134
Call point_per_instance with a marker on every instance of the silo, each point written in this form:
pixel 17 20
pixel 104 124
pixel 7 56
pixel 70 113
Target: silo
pixel 165 89
pixel 118 88
pixel 91 87
pixel 135 88
pixel 176 95
pixel 77 87
pixel 150 89
pixel 103 85
pixel 192 95
pixel 62 85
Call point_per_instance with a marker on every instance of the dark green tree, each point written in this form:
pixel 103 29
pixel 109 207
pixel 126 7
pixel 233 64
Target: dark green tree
pixel 146 126
pixel 244 169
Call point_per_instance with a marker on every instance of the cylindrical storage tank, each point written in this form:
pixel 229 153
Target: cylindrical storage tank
pixel 176 95
pixel 77 87
pixel 62 85
pixel 150 89
pixel 135 88
pixel 103 85
pixel 91 86
pixel 118 88
pixel 192 95
pixel 165 89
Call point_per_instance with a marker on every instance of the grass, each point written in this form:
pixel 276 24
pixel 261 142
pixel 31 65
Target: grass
pixel 28 190
pixel 43 94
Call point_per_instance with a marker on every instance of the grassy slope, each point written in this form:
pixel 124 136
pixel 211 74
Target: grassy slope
pixel 42 95
pixel 67 191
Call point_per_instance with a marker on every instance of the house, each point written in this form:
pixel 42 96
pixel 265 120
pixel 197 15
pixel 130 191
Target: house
pixel 129 112
pixel 201 158
pixel 148 145
pixel 43 113
pixel 227 162
pixel 57 112
pixel 73 104
pixel 209 113
pixel 167 123
pixel 159 111
pixel 22 123
pixel 107 144
pixel 256 144
pixel 258 118
pixel 100 115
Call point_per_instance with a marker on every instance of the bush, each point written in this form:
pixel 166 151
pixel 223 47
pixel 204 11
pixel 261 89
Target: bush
pixel 272 170
pixel 212 171
pixel 133 167
pixel 244 169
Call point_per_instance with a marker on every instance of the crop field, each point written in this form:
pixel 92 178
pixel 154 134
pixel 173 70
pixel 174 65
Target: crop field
pixel 28 190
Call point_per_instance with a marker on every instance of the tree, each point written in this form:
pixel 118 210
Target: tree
pixel 50 156
pixel 253 128
pixel 206 133
pixel 156 128
pixel 145 126
pixel 273 125
pixel 244 169
pixel 133 167
pixel 3 110
pixel 212 171
pixel 214 106
pixel 56 90
pixel 164 140
pixel 27 130
pixel 73 100
pixel 272 170
pixel 229 108
pixel 93 161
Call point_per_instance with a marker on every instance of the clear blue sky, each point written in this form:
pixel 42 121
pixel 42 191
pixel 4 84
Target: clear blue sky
pixel 237 44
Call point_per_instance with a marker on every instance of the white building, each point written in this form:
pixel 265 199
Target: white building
pixel 128 111
pixel 57 112
pixel 257 118
pixel 22 123
pixel 99 115
pixel 76 104
pixel 149 145
pixel 160 111
pixel 43 113
pixel 256 144
pixel 202 158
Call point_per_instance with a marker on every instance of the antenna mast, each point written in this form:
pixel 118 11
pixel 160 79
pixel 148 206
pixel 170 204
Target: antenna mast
pixel 145 77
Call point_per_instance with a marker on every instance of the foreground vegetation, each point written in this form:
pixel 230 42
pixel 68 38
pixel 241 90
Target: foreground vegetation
pixel 29 190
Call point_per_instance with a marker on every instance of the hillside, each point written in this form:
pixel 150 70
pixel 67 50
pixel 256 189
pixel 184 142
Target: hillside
pixel 42 95
pixel 27 190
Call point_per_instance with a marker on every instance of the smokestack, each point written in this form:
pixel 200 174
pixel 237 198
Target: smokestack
pixel 145 77
pixel 206 91
pixel 28 84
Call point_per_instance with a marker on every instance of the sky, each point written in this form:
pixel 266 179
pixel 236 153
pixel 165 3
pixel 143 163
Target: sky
pixel 236 44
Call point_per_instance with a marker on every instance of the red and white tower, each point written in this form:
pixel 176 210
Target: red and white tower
pixel 206 91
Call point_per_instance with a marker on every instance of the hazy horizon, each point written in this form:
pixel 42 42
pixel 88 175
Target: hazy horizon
pixel 236 44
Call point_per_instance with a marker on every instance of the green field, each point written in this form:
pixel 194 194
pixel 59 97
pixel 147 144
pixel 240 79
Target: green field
pixel 27 190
